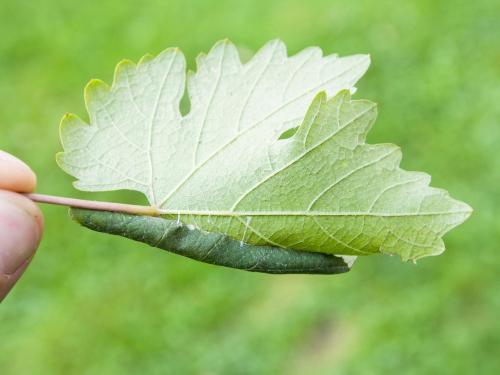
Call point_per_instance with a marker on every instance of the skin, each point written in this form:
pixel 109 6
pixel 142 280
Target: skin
pixel 21 221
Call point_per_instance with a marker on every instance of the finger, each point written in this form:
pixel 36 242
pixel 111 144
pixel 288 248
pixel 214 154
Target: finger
pixel 20 233
pixel 213 248
pixel 15 175
pixel 26 204
pixel 7 282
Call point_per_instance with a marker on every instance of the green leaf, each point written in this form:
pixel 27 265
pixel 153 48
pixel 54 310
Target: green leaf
pixel 212 248
pixel 236 165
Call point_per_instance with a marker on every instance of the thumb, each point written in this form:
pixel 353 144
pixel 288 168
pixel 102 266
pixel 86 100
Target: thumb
pixel 20 233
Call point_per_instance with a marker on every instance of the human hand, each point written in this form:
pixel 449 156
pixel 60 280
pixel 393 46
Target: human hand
pixel 21 222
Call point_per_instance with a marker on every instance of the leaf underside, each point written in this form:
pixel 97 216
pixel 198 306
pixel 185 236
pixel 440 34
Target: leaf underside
pixel 228 167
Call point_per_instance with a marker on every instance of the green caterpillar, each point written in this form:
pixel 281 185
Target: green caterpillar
pixel 212 248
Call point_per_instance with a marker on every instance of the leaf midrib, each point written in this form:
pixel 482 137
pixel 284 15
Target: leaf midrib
pixel 304 213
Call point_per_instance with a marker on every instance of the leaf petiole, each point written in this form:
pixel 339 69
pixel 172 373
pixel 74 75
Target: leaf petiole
pixel 95 205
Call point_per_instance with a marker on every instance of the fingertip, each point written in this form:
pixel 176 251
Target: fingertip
pixel 15 175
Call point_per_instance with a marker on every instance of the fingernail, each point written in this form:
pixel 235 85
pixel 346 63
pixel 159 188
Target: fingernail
pixel 19 237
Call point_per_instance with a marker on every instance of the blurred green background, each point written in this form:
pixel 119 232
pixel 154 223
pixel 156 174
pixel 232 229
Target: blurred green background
pixel 94 304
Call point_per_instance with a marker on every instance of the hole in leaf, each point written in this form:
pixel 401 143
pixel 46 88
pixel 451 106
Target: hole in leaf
pixel 289 133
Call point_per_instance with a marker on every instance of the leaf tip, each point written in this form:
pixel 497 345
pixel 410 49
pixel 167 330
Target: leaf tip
pixel 69 117
pixel 223 41
pixel 95 89
pixel 321 96
pixel 224 47
pixel 59 156
pixel 168 51
pixel 344 95
pixel 60 160
pixel 123 64
pixel 68 122
pixel 122 68
pixel 97 84
pixel 145 58
pixel 364 60
pixel 218 45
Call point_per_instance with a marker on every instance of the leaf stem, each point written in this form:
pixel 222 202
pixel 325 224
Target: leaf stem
pixel 95 205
